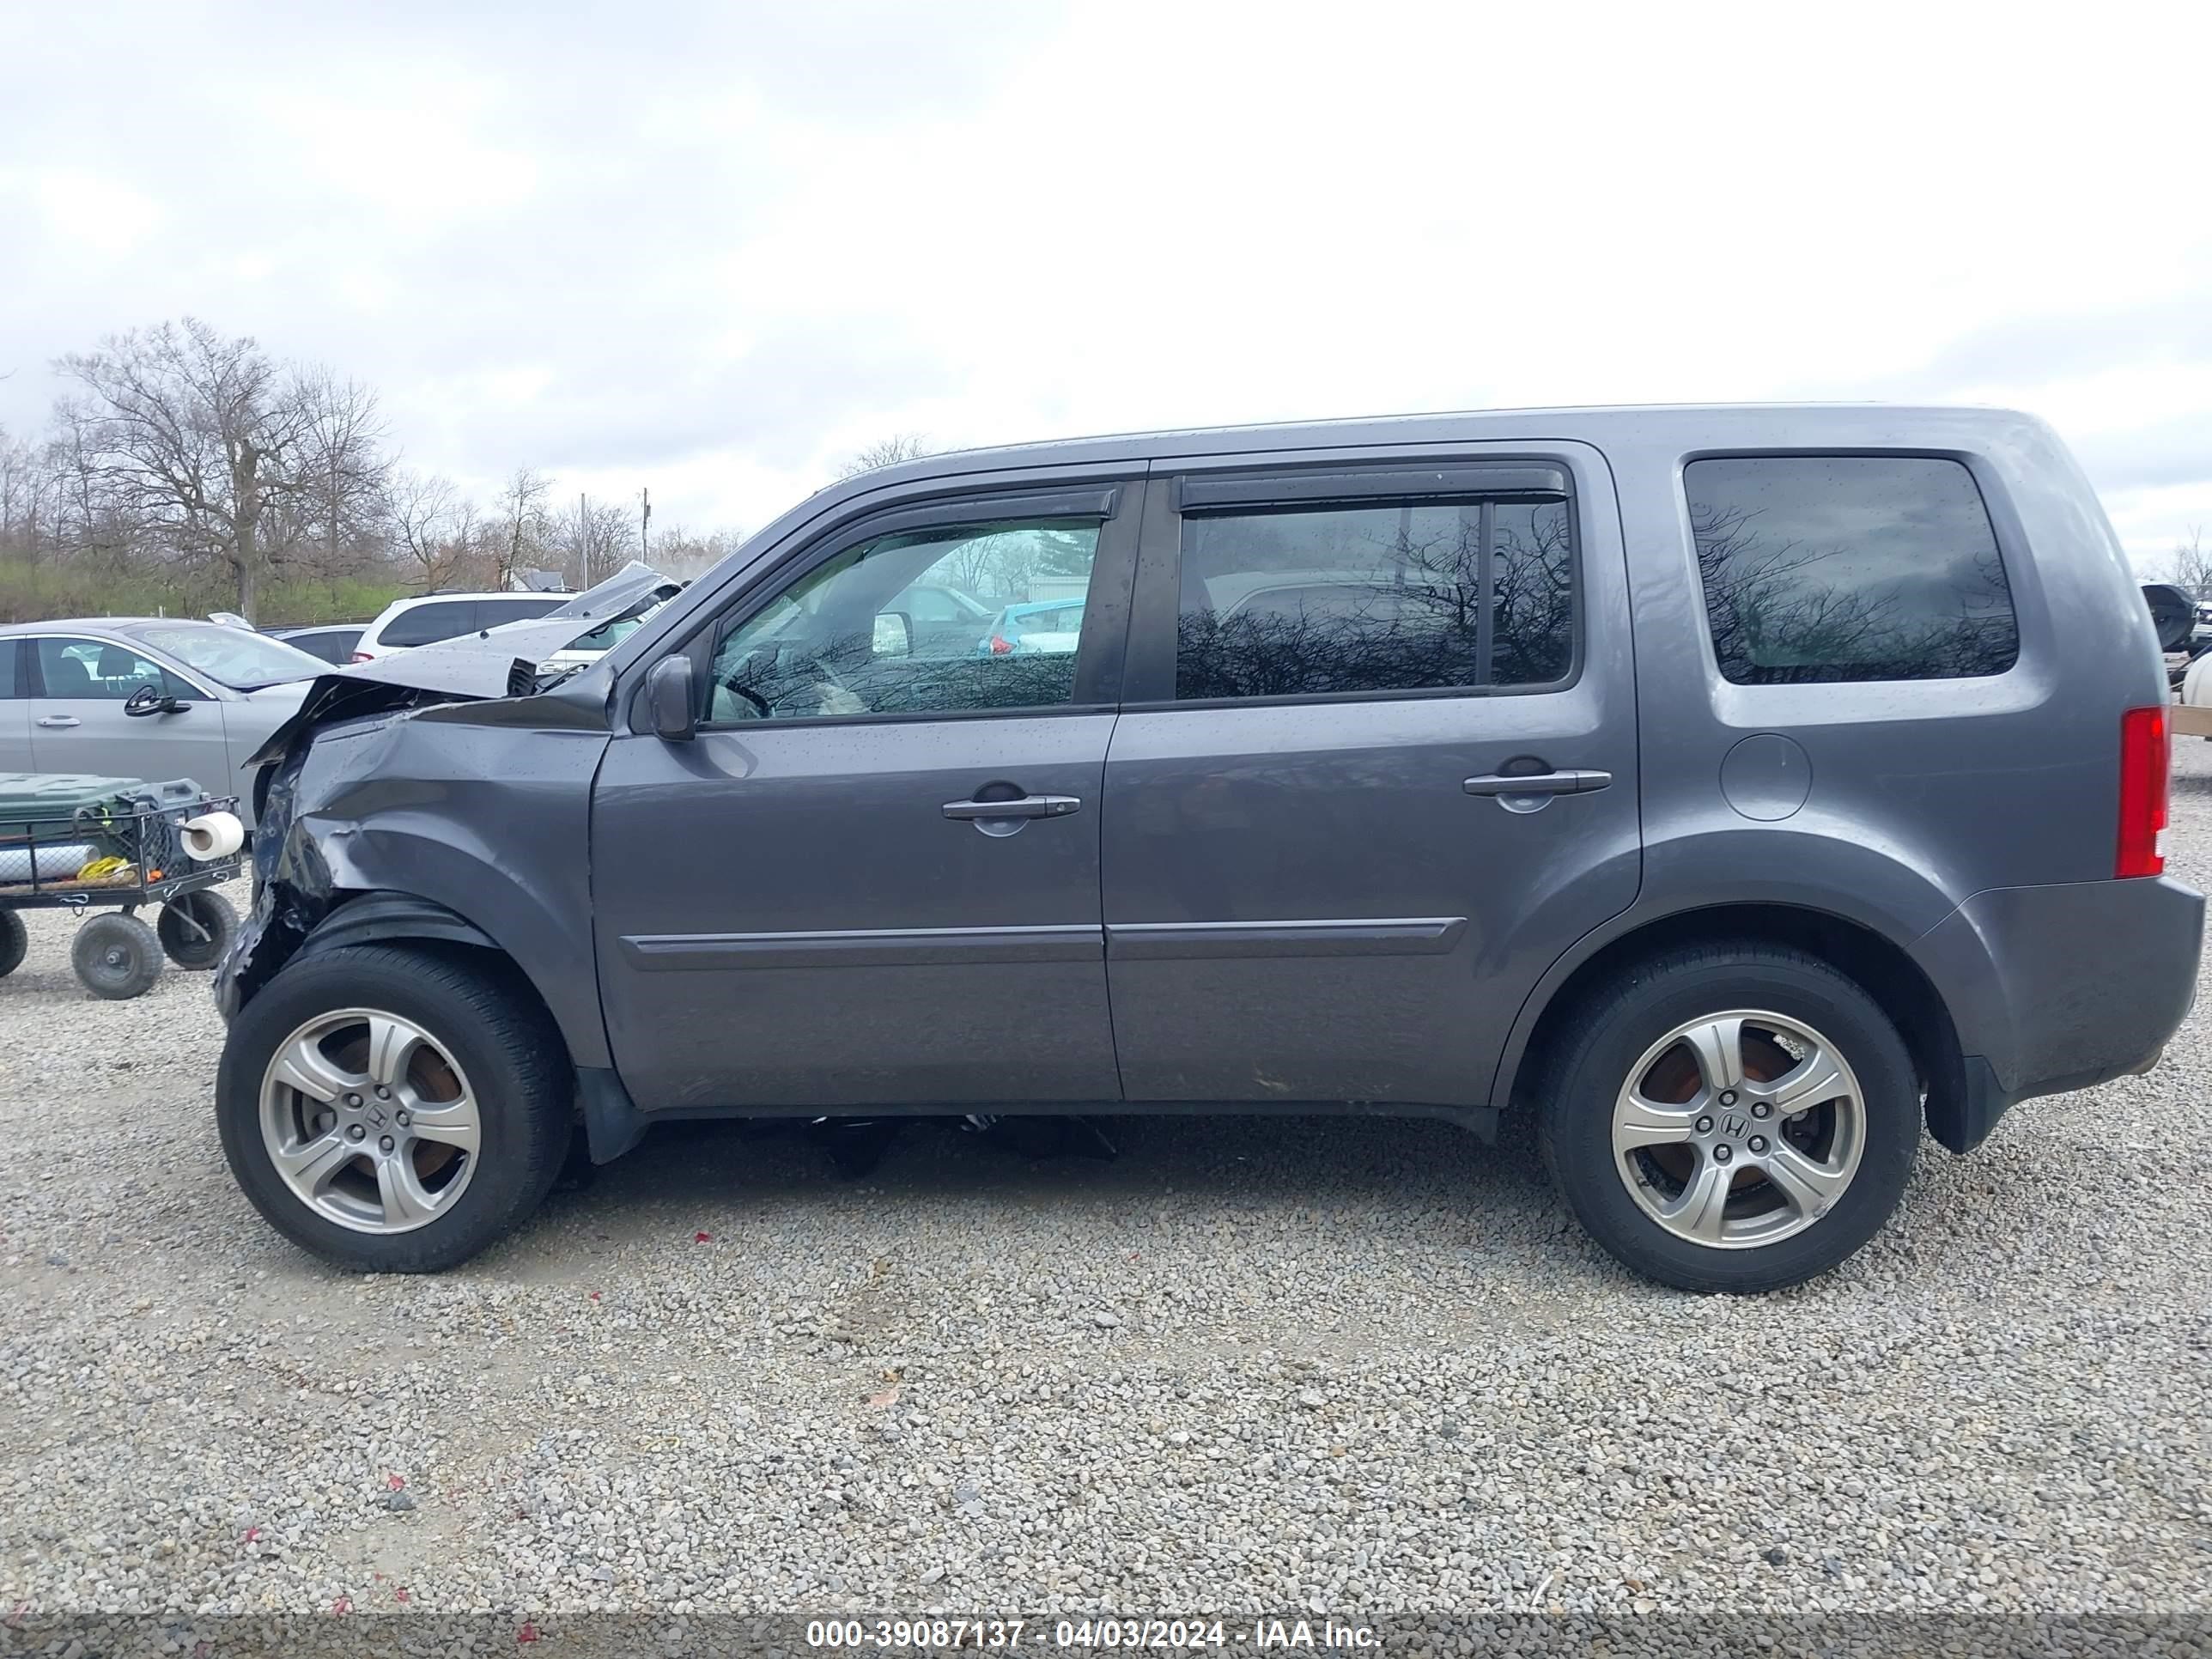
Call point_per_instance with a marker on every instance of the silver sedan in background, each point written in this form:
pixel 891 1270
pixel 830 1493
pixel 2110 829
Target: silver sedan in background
pixel 146 697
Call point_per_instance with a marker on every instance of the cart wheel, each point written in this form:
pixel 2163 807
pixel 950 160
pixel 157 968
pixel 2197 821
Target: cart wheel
pixel 14 938
pixel 197 928
pixel 116 957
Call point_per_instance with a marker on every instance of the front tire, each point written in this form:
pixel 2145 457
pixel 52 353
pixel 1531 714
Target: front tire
pixel 393 1111
pixel 1731 1118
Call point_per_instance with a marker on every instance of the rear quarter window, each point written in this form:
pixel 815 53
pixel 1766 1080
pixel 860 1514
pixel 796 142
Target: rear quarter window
pixel 1828 568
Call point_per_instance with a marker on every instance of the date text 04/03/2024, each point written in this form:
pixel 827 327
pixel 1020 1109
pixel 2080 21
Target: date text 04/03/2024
pixel 921 1635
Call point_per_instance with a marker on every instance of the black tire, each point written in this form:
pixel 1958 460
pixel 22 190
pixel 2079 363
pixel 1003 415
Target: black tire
pixel 502 1040
pixel 15 940
pixel 1612 1029
pixel 195 929
pixel 116 957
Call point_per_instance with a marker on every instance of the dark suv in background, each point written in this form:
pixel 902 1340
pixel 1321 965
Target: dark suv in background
pixel 1733 789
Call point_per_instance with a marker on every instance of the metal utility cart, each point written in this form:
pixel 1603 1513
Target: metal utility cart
pixel 81 843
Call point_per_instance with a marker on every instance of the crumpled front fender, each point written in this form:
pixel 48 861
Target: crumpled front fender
pixel 457 806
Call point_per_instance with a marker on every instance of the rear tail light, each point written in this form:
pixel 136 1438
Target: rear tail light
pixel 2144 765
pixel 362 656
pixel 1001 646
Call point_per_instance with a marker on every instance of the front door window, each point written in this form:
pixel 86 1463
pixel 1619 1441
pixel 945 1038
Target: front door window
pixel 905 624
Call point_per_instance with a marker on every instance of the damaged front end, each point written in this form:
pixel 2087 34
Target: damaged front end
pixel 440 794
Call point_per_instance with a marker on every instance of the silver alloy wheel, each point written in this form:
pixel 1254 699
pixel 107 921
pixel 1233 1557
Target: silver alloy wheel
pixel 1738 1129
pixel 370 1122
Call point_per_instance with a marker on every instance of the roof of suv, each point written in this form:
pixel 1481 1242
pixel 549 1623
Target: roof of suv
pixel 1871 422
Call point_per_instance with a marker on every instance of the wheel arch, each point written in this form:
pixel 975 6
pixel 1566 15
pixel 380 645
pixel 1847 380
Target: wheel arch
pixel 1881 966
pixel 379 916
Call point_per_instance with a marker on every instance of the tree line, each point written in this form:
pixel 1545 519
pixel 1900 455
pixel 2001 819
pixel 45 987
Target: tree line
pixel 185 471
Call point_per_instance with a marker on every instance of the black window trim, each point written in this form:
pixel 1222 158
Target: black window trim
pixel 1349 486
pixel 1114 503
pixel 2005 532
pixel 1150 675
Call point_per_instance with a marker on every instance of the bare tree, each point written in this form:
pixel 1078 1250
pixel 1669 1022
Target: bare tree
pixel 596 536
pixel 684 554
pixel 198 433
pixel 886 451
pixel 2189 565
pixel 420 509
pixel 27 483
pixel 342 462
pixel 524 524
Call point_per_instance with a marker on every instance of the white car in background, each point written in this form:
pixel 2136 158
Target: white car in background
pixel 433 617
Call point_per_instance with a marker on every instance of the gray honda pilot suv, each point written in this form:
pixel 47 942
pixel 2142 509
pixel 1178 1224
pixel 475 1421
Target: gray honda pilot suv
pixel 1733 790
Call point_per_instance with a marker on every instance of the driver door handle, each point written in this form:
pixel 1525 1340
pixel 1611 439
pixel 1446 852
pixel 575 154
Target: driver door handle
pixel 1025 807
pixel 59 719
pixel 1538 783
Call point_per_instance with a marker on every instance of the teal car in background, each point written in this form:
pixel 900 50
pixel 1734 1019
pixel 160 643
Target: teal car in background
pixel 1041 628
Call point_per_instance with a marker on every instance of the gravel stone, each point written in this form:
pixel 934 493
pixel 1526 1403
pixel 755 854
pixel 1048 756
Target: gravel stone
pixel 1372 1373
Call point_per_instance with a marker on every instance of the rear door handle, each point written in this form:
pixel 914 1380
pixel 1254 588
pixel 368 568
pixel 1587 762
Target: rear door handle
pixel 58 720
pixel 1025 807
pixel 1538 783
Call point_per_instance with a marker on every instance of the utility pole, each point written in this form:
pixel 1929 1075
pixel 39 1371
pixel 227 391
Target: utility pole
pixel 583 541
pixel 645 524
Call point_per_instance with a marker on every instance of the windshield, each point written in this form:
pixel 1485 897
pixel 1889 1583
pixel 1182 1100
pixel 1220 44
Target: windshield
pixel 239 660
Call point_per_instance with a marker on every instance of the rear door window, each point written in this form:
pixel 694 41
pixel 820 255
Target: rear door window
pixel 426 625
pixel 1826 568
pixel 1418 596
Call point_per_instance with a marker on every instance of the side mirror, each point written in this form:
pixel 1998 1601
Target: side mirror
pixel 150 699
pixel 668 698
pixel 894 633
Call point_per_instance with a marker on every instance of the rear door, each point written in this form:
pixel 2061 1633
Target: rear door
pixel 81 688
pixel 1376 768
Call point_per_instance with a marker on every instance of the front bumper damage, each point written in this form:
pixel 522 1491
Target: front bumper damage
pixel 334 779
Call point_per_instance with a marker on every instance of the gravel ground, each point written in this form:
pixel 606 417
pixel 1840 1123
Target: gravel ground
pixel 1329 1365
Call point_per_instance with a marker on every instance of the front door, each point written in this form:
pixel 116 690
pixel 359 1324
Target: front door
pixel 871 876
pixel 82 720
pixel 14 709
pixel 1376 769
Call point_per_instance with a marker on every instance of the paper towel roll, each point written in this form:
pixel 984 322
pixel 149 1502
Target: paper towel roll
pixel 214 835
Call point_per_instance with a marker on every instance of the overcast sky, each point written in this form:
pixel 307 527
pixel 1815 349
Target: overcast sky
pixel 714 248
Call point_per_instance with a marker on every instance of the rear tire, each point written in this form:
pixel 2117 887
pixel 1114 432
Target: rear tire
pixel 1711 1197
pixel 493 1044
pixel 197 928
pixel 116 957
pixel 14 940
